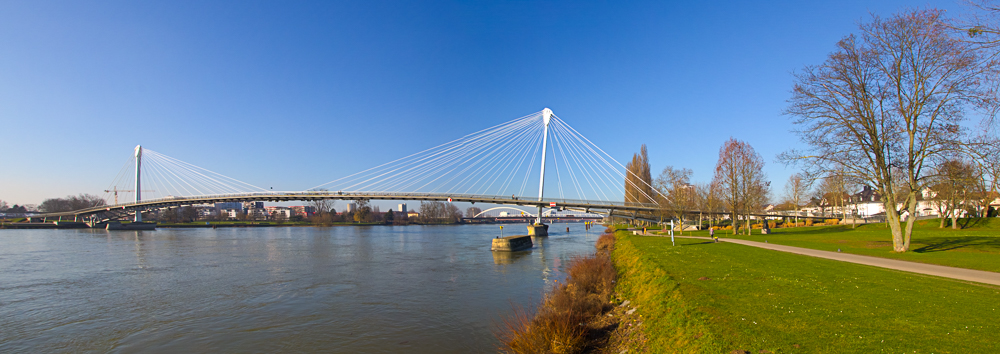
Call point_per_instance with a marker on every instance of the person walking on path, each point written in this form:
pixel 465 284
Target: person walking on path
pixel 711 233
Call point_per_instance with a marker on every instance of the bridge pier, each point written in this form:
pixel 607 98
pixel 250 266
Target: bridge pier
pixel 538 230
pixel 511 243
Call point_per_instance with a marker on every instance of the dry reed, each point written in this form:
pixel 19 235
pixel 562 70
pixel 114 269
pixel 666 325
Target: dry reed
pixel 559 326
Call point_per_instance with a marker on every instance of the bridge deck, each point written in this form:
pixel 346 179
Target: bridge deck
pixel 629 210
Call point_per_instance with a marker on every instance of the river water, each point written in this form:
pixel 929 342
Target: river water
pixel 381 289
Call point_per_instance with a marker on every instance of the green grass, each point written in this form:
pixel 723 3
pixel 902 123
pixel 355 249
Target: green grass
pixel 975 247
pixel 760 300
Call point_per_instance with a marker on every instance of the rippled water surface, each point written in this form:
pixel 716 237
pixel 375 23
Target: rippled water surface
pixel 414 289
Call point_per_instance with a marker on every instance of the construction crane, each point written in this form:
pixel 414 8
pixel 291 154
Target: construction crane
pixel 115 190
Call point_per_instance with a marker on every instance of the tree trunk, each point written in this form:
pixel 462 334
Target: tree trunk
pixel 735 222
pixel 911 218
pixel 892 221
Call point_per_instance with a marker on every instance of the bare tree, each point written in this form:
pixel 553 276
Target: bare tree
pixel 740 179
pixel 709 200
pixel 363 212
pixel 676 194
pixel 323 206
pixel 886 103
pixel 72 202
pixel 796 190
pixel 954 187
pixel 3 206
pixel 472 211
pixel 189 214
pixel 638 179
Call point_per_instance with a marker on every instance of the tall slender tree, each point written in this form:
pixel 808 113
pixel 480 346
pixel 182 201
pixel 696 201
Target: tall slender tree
pixel 639 179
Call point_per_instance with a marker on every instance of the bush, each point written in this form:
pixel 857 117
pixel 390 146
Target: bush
pixel 606 242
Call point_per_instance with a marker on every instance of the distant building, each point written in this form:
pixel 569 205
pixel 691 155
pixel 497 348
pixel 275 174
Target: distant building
pixel 206 212
pixel 401 208
pixel 303 210
pixel 232 213
pixel 352 207
pixel 229 205
pixel 279 210
pixel 255 210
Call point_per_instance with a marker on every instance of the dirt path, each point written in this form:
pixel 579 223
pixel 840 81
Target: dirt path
pixel 978 276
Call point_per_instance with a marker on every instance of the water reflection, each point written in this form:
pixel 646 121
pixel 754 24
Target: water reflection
pixel 509 257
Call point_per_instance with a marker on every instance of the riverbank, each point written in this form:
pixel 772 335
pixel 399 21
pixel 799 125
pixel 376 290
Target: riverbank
pixel 701 296
pixel 571 317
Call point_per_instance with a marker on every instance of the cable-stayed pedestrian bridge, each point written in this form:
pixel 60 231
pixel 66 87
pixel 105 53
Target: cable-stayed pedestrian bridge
pixel 496 165
pixel 127 210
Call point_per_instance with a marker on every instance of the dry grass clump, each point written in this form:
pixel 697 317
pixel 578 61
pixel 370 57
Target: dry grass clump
pixel 560 326
pixel 609 230
pixel 606 243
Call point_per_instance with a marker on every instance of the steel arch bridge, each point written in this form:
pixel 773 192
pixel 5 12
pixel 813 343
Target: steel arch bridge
pixel 528 213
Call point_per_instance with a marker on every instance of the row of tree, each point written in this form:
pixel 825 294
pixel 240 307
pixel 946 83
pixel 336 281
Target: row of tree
pixel 891 107
pixel 739 186
pixel 906 106
pixel 16 209
pixel 69 203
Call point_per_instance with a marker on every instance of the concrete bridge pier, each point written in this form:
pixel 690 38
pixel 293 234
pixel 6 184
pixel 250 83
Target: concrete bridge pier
pixel 538 230
pixel 511 243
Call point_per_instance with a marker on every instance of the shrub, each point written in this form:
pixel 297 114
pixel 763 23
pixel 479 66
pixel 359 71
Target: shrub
pixel 593 274
pixel 606 242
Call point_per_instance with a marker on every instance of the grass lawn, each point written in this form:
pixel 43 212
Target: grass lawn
pixel 718 297
pixel 975 247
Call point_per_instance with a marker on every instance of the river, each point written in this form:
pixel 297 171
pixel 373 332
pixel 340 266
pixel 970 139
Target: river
pixel 378 289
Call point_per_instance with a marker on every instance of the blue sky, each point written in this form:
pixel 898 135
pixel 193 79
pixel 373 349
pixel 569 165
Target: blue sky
pixel 292 96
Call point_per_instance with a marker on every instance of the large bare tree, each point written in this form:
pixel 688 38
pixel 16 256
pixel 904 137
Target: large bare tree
pixel 740 179
pixel 886 103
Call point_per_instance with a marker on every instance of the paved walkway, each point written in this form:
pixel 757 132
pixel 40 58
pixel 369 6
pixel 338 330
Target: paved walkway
pixel 978 276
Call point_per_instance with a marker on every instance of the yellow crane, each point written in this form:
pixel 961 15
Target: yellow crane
pixel 115 190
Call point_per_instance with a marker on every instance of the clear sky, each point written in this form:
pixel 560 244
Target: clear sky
pixel 290 96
